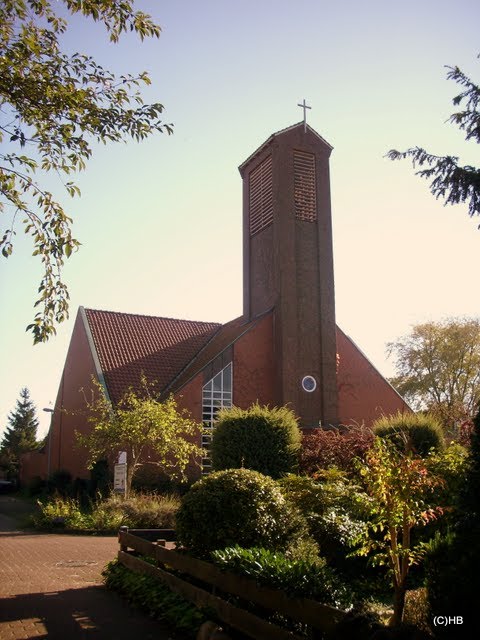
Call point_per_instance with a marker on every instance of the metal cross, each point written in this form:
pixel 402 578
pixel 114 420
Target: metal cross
pixel 304 107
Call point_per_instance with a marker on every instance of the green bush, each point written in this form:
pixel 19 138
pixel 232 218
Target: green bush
pixel 418 431
pixel 259 438
pixel 60 482
pixel 298 578
pixel 451 466
pixel 154 597
pixel 140 510
pixel 237 506
pixel 330 508
pixel 60 512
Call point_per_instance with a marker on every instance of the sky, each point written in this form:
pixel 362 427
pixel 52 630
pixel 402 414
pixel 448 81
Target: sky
pixel 160 221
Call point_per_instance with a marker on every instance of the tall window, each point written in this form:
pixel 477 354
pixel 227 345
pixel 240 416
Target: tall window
pixel 216 395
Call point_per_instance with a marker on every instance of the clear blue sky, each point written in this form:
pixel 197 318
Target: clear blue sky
pixel 160 221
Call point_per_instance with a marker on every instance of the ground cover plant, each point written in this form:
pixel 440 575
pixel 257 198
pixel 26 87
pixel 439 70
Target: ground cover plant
pixel 300 577
pixel 154 597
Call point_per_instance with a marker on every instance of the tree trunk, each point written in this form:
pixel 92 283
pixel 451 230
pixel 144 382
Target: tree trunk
pixel 398 605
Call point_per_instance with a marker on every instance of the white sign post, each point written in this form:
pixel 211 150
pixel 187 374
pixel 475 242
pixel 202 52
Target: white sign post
pixel 120 478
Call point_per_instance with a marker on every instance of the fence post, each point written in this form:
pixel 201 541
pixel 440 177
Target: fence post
pixel 123 529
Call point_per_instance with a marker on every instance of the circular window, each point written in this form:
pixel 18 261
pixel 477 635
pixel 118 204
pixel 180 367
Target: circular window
pixel 309 383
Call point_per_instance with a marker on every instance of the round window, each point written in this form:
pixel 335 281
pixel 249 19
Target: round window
pixel 309 383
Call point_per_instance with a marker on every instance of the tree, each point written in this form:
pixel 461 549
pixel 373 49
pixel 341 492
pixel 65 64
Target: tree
pixel 20 436
pixel 398 486
pixel 438 368
pixel 151 432
pixel 52 106
pixel 451 182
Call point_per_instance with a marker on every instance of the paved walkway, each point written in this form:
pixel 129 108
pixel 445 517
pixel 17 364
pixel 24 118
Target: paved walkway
pixel 51 587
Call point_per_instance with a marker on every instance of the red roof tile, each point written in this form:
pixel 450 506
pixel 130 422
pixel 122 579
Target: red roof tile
pixel 129 345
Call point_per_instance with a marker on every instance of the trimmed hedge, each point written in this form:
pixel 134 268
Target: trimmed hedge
pixel 259 438
pixel 237 506
pixel 419 431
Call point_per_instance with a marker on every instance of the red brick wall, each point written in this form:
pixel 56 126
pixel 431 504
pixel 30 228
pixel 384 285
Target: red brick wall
pixel 33 464
pixel 190 398
pixel 363 393
pixel 77 374
pixel 253 368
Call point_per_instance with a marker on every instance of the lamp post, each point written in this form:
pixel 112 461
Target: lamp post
pixel 50 411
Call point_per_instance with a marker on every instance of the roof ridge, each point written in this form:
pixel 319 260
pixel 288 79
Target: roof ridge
pixel 144 315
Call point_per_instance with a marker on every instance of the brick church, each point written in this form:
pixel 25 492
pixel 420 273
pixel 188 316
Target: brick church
pixel 286 347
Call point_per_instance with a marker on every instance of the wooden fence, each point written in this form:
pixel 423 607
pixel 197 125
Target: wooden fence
pixel 217 586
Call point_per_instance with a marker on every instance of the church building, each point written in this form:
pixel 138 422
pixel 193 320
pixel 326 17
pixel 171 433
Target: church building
pixel 285 349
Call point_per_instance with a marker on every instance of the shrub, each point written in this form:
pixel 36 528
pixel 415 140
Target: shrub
pixel 259 438
pixel 60 512
pixel 237 506
pixel 421 432
pixel 60 482
pixel 329 508
pixel 147 510
pixel 325 448
pixel 417 611
pixel 451 466
pixel 300 578
pixel 140 511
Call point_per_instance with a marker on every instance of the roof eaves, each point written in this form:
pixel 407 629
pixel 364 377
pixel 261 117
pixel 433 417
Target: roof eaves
pixel 249 325
pixel 270 139
pixel 94 352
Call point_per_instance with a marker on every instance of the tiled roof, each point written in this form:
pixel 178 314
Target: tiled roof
pixel 224 337
pixel 129 344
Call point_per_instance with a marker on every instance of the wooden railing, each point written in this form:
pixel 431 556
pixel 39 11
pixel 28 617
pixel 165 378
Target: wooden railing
pixel 217 585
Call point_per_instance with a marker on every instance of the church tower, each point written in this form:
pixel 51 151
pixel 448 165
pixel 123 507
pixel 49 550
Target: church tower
pixel 288 266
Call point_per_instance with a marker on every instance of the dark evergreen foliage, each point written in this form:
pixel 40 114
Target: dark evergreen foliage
pixel 454 559
pixel 20 435
pixel 450 181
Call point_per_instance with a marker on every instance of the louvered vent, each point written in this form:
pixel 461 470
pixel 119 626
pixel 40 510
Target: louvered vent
pixel 261 196
pixel 304 186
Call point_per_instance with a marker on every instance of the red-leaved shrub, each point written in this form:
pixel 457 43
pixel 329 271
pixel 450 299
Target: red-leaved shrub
pixel 324 448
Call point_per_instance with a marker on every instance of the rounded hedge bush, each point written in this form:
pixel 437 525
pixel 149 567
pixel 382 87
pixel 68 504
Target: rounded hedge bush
pixel 259 438
pixel 236 506
pixel 421 432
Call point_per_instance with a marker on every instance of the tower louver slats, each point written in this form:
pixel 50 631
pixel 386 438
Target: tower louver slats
pixel 304 186
pixel 261 196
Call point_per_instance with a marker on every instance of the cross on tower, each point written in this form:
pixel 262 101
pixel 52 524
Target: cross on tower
pixel 304 107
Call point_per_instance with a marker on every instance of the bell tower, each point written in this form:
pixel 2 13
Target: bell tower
pixel 288 266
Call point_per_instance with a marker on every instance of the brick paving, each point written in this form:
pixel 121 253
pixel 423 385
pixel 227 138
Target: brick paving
pixel 51 587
